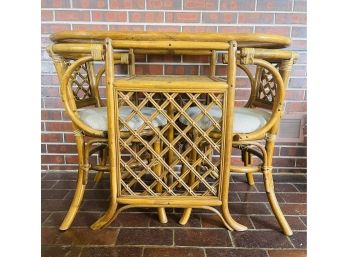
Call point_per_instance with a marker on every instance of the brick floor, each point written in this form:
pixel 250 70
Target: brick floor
pixel 137 233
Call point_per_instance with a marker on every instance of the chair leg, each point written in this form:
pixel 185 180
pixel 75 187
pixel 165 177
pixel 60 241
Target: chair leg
pixel 103 158
pixel 162 216
pixel 80 187
pixel 247 161
pixel 269 188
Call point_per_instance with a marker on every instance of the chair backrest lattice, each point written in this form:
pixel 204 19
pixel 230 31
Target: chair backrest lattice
pixel 82 86
pixel 266 88
pixel 153 173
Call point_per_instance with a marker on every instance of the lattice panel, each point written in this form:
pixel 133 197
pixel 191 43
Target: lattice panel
pixel 80 84
pixel 267 88
pixel 159 154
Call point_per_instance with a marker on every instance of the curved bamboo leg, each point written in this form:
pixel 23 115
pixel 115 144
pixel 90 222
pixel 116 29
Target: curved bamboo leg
pixel 228 218
pixel 247 161
pixel 80 186
pixel 107 218
pixel 110 214
pixel 269 188
pixel 162 216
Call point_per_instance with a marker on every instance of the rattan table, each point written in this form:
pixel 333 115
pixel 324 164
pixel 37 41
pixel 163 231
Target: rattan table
pixel 167 140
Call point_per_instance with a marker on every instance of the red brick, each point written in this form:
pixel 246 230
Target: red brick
pixel 200 4
pixel 235 29
pixel 284 31
pixel 127 4
pixel 186 17
pixel 59 126
pixel 298 45
pixel 47 79
pixel 299 32
pixel 218 17
pixel 127 27
pixel 302 163
pixel 297 82
pixel 220 70
pixel 302 58
pixel 195 59
pixel 63 167
pixel 274 5
pixel 46 15
pixel 51 138
pixel 162 58
pixel 111 16
pixel 255 18
pixel 50 159
pixel 51 115
pixel 43 148
pixel 290 18
pixel 299 70
pixel 237 5
pixel 300 5
pixel 89 27
pixel 283 162
pixel 53 102
pixel 69 138
pixel 199 29
pixel 59 148
pixel 53 28
pixel 90 4
pixel 287 253
pixel 293 151
pixel 55 3
pixel 153 69
pixel 295 95
pixel 146 17
pixel 72 15
pixel 50 92
pixel 181 69
pixel 163 4
pixel 166 28
pixel 173 251
pixel 71 159
pixel 296 107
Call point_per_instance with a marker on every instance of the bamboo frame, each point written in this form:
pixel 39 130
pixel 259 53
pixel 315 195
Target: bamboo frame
pixel 81 48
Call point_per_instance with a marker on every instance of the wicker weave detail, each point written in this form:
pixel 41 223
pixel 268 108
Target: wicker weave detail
pixel 267 88
pixel 81 86
pixel 145 167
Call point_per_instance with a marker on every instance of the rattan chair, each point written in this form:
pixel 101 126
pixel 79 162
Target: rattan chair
pixel 258 121
pixel 80 95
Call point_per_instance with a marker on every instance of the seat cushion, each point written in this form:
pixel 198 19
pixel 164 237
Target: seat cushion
pixel 96 118
pixel 245 120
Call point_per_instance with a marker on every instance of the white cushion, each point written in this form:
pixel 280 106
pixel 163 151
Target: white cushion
pixel 96 118
pixel 245 120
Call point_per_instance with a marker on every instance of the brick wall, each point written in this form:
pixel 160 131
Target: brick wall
pixel 284 17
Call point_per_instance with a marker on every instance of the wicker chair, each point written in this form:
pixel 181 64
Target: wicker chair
pixel 80 95
pixel 258 120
